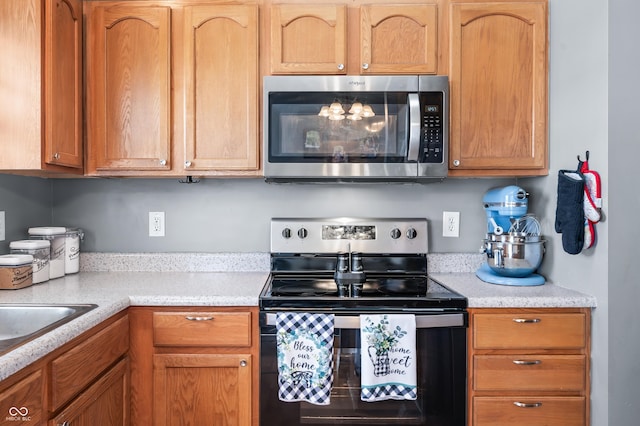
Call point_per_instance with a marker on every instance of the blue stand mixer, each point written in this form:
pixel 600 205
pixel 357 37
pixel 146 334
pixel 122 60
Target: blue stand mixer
pixel 513 244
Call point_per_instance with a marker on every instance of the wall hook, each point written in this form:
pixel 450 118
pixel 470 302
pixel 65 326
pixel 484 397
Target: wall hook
pixel 586 155
pixel 189 179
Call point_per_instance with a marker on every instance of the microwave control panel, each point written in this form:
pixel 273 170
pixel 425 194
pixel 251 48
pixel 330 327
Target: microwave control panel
pixel 432 137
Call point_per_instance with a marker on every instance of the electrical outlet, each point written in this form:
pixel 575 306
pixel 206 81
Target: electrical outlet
pixel 2 227
pixel 451 224
pixel 156 224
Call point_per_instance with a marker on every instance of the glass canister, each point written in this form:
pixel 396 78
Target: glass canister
pixel 16 271
pixel 72 250
pixel 41 252
pixel 56 235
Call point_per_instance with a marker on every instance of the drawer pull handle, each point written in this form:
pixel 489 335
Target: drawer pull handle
pixel 527 405
pixel 526 320
pixel 525 362
pixel 243 363
pixel 191 318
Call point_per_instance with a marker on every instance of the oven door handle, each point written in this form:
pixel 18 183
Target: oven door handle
pixel 422 321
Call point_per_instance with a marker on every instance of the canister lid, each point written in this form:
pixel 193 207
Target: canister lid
pixel 71 232
pixel 15 259
pixel 47 230
pixel 30 244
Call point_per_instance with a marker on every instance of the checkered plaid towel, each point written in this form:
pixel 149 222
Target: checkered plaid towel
pixel 388 357
pixel 305 357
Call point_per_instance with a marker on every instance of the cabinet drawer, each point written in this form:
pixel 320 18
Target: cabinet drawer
pixel 202 329
pixel 529 331
pixel 529 372
pixel 21 404
pixel 74 370
pixel 529 411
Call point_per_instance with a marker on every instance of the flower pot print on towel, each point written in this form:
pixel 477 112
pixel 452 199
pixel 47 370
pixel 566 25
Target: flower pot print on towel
pixel 381 340
pixel 388 357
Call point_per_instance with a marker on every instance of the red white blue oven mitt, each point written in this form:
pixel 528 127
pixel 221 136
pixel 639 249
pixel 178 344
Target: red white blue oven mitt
pixel 592 203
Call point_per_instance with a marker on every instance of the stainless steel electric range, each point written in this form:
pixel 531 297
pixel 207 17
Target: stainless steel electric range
pixel 354 266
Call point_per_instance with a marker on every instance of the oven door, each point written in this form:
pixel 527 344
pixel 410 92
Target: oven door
pixel 441 375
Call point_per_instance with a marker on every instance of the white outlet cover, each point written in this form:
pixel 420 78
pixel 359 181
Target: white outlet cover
pixel 156 224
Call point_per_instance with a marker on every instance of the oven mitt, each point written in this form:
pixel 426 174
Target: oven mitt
pixel 592 203
pixel 570 210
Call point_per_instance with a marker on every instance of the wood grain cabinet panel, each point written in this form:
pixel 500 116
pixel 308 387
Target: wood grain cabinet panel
pixel 22 402
pixel 128 87
pixel 499 91
pixel 41 95
pixel 105 403
pixel 202 389
pixel 74 370
pixel 529 367
pixel 202 329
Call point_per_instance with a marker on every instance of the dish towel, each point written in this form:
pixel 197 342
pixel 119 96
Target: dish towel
pixel 388 357
pixel 305 357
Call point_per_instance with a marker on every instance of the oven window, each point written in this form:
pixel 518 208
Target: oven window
pixel 441 386
pixel 338 127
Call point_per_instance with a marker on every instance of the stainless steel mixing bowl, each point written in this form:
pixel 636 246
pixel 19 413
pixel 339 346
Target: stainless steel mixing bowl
pixel 514 255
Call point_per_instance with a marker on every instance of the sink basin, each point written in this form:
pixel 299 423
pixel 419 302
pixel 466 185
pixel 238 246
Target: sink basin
pixel 20 323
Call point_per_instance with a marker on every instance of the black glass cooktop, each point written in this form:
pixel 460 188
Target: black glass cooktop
pixel 399 293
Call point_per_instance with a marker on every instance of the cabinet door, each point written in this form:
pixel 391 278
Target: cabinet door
pixel 63 83
pixel 128 84
pixel 221 87
pixel 308 39
pixel 105 403
pixel 498 78
pixel 204 388
pixel 22 403
pixel 399 39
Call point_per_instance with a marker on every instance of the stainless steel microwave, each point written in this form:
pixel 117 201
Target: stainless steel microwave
pixel 355 128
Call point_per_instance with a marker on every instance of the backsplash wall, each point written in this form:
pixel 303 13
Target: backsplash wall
pixel 232 215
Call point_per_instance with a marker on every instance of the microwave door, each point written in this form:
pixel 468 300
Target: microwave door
pixel 413 149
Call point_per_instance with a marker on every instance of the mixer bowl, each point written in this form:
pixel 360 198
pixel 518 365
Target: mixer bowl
pixel 513 255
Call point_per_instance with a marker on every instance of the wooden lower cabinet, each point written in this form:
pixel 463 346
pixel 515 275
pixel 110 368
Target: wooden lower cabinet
pixel 529 367
pixel 105 403
pixel 21 403
pixel 194 366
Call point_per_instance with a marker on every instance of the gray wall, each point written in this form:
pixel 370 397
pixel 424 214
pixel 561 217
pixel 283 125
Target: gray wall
pixel 624 152
pixel 26 202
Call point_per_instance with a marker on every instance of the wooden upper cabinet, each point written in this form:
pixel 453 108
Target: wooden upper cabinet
pixel 128 87
pixel 41 94
pixel 221 87
pixel 370 39
pixel 308 39
pixel 398 39
pixel 63 83
pixel 498 81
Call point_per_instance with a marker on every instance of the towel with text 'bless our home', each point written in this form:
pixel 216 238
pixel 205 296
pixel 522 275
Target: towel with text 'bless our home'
pixel 388 357
pixel 305 357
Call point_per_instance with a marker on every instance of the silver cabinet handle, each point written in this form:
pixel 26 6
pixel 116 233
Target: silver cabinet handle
pixel 243 363
pixel 192 318
pixel 163 162
pixel 56 156
pixel 365 66
pixel 340 67
pixel 456 163
pixel 527 405
pixel 187 164
pixel 525 362
pixel 526 320
pixel 64 424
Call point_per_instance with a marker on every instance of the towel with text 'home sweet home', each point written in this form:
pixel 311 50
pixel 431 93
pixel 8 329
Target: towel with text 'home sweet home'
pixel 388 357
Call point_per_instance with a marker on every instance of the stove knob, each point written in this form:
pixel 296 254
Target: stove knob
pixel 302 233
pixel 286 233
pixel 411 233
pixel 395 233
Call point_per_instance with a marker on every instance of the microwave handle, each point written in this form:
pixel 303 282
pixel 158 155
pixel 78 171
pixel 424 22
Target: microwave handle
pixel 413 100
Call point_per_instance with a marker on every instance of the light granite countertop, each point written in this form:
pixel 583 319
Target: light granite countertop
pixel 117 281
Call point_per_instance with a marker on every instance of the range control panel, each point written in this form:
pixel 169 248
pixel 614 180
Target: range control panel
pixel 346 234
